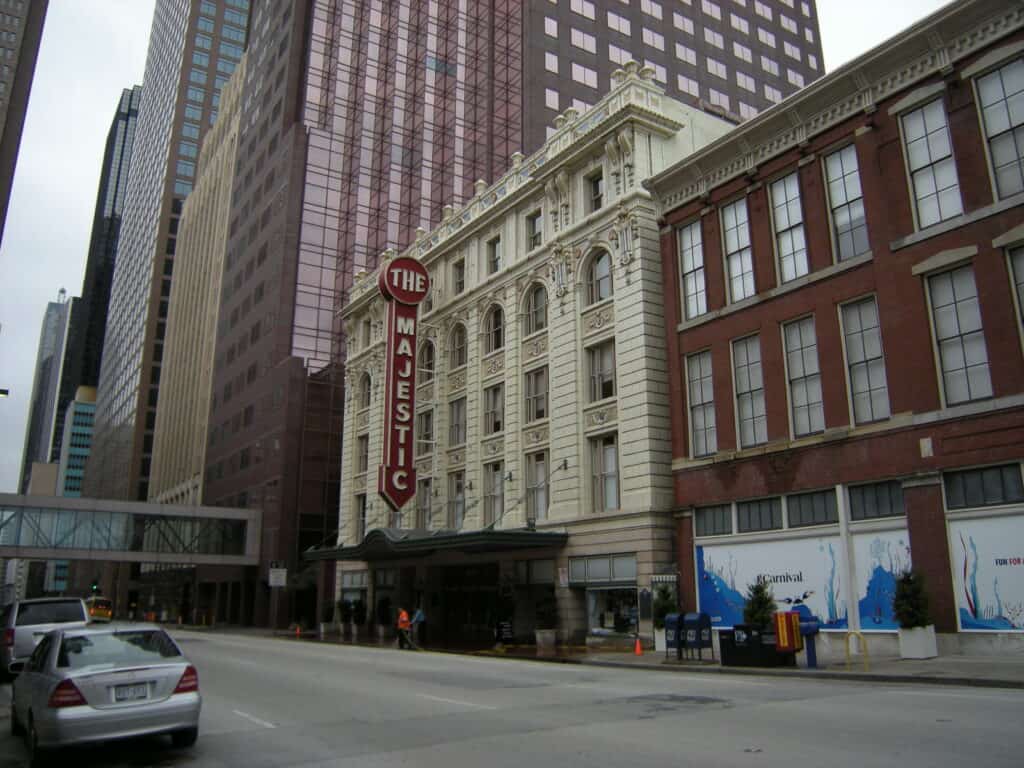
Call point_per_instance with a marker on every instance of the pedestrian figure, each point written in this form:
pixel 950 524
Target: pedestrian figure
pixel 416 633
pixel 403 625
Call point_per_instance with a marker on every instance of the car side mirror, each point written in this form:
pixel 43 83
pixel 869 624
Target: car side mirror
pixel 16 667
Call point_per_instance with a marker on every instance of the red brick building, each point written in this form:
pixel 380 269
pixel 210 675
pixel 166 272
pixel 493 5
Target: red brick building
pixel 844 277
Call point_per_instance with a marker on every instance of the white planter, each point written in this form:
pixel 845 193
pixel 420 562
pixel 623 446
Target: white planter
pixel 659 640
pixel 546 639
pixel 918 643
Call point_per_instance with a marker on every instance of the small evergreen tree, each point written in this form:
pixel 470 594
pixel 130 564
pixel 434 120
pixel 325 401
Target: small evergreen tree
pixel 664 604
pixel 760 606
pixel 910 602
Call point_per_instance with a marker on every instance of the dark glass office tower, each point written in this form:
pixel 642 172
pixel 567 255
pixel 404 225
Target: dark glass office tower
pixel 21 31
pixel 193 49
pixel 89 317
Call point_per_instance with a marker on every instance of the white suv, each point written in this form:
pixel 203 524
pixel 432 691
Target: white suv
pixel 24 622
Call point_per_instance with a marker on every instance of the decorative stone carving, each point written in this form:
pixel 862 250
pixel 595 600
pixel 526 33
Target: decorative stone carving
pixel 362 419
pixel 425 391
pixel 534 347
pixel 535 435
pixel 456 457
pixel 493 365
pixel 623 236
pixel 457 380
pixel 599 417
pixel 494 447
pixel 599 318
pixel 359 482
pixel 424 468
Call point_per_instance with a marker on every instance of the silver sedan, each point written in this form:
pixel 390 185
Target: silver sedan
pixel 105 682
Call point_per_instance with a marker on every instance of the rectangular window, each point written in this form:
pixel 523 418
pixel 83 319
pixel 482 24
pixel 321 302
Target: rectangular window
pixel 691 267
pixel 551 62
pixel 618 55
pixel 804 377
pixel 1001 97
pixel 601 363
pixel 865 362
pixel 747 111
pixel 711 37
pixel 868 502
pixel 750 408
pixel 424 433
pixel 701 395
pixel 713 521
pixel 760 515
pixel 688 85
pixel 762 10
pixel 963 356
pixel 651 8
pixel 740 51
pixel 772 94
pixel 604 465
pixel 619 24
pixel 493 255
pixel 769 65
pixel 983 487
pixel 582 40
pixel 737 250
pixel 682 22
pixel 362 454
pixel 584 75
pixel 494 492
pixel 653 39
pixel 789 25
pixel 456 499
pixel 198 95
pixel 846 201
pixel 457 422
pixel 360 516
pixel 793 51
pixel 930 162
pixel 424 495
pixel 1017 273
pixel 583 8
pixel 537 486
pixel 534 229
pixel 551 98
pixel 660 73
pixel 536 389
pixel 788 219
pixel 717 68
pixel 458 276
pixel 494 409
pixel 818 508
pixel 766 37
pixel 718 98
pixel 595 190
pixel 550 27
pixel 746 82
pixel 711 9
pixel 739 23
pixel 795 78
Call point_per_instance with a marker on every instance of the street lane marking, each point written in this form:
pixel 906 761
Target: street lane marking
pixel 454 701
pixel 252 719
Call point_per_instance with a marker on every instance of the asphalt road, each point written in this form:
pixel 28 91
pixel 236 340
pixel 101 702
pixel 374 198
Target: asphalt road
pixel 269 703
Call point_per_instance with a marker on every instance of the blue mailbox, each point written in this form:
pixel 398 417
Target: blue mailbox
pixel 673 631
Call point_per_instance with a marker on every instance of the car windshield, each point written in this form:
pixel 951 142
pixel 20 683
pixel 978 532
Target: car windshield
pixel 116 648
pixel 49 613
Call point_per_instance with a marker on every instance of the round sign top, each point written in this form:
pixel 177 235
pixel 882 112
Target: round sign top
pixel 405 280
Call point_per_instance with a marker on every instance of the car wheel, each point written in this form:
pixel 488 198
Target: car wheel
pixel 185 737
pixel 36 756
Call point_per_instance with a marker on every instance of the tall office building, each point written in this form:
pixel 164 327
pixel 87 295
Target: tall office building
pixel 362 120
pixel 89 319
pixel 193 49
pixel 21 30
pixel 43 409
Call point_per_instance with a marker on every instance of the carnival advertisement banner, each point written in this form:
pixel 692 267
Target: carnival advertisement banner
pixel 879 559
pixel 988 572
pixel 806 575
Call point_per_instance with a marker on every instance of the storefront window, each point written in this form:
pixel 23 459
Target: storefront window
pixel 612 611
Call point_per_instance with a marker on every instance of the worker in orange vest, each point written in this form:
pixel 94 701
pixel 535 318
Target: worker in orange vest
pixel 403 625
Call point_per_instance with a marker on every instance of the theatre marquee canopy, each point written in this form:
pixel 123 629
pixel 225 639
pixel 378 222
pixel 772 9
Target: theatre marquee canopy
pixel 394 544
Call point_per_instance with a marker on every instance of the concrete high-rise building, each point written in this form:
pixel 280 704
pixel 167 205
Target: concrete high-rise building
pixel 361 122
pixel 43 409
pixel 193 49
pixel 74 450
pixel 21 31
pixel 179 450
pixel 89 319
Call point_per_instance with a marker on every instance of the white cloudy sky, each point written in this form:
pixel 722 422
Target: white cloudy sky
pixel 91 50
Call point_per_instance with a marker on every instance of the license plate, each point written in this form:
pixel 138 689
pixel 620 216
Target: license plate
pixel 130 692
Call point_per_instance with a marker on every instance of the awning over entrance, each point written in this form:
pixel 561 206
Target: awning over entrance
pixel 395 543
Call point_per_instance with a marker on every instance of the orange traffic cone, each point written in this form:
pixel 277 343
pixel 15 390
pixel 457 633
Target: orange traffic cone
pixel 637 648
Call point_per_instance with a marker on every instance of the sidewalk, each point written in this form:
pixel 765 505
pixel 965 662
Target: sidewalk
pixel 1005 671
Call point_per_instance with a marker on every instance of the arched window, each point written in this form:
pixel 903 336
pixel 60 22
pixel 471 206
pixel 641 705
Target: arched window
pixel 494 330
pixel 599 277
pixel 457 349
pixel 536 315
pixel 364 392
pixel 426 366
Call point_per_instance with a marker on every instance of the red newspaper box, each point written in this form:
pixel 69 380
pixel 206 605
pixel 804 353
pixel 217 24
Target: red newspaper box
pixel 787 632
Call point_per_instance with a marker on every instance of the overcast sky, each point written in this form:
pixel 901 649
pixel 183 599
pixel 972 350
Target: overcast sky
pixel 91 50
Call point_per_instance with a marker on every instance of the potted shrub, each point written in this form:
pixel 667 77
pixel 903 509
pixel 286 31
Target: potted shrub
pixel 546 622
pixel 358 618
pixel 664 604
pixel 910 607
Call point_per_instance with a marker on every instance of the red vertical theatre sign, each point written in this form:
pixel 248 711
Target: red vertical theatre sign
pixel 404 284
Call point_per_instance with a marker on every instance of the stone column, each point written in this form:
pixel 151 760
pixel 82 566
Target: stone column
pixel 685 561
pixel 929 546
